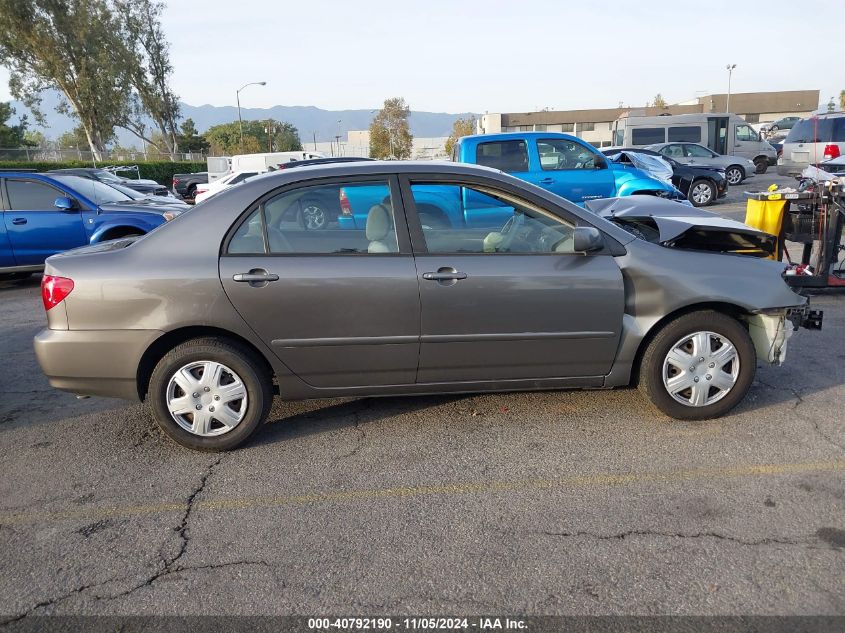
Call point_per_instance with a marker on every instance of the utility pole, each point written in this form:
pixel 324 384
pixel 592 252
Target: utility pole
pixel 730 68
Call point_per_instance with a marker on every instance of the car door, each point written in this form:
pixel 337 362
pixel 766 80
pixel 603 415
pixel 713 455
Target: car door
pixel 676 152
pixel 699 155
pixel 338 306
pixel 569 169
pixel 746 141
pixel 514 303
pixel 34 226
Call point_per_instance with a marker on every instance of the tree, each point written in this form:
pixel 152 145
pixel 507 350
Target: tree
pixel 842 100
pixel 390 135
pixel 34 138
pixel 189 139
pixel 11 135
pixel 831 105
pixel 461 127
pixel 659 101
pixel 74 139
pixel 148 69
pixel 73 46
pixel 226 138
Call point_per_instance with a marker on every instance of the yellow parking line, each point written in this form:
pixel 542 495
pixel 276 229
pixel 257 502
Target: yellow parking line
pixel 342 496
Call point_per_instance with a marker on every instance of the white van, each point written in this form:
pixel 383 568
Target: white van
pixel 723 133
pixel 259 162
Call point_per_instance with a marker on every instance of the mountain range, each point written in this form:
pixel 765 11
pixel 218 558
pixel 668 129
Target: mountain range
pixel 309 120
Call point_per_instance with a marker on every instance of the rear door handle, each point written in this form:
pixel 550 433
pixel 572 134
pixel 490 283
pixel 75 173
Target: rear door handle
pixel 547 181
pixel 255 276
pixel 19 221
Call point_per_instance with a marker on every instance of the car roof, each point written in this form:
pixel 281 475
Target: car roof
pixel 519 136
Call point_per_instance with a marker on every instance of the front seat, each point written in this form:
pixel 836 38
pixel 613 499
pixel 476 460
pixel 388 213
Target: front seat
pixel 379 230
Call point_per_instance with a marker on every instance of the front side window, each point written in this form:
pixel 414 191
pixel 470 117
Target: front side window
pixel 697 151
pixel 504 155
pixel 746 133
pixel 28 195
pixel 307 221
pixel 560 154
pixel 495 222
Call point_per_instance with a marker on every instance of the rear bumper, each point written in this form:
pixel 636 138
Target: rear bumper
pixel 94 362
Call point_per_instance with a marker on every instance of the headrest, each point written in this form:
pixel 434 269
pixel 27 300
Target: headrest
pixel 379 222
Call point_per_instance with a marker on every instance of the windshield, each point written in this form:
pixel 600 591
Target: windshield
pixel 107 176
pixel 96 191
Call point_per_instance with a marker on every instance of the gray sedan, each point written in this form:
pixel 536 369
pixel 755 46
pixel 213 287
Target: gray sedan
pixel 736 168
pixel 211 314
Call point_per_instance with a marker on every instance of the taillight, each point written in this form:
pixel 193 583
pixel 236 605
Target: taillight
pixel 175 181
pixel 345 207
pixel 54 290
pixel 831 150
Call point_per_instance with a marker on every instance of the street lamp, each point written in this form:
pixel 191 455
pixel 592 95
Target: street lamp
pixel 730 69
pixel 238 99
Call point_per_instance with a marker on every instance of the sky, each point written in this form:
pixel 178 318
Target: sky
pixel 493 55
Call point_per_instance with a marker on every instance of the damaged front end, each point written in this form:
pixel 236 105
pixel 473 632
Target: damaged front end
pixel 771 330
pixel 672 225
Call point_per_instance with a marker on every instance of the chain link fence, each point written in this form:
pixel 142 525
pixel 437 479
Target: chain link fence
pixel 38 154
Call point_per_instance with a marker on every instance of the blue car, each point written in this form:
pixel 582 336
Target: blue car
pixel 560 163
pixel 46 214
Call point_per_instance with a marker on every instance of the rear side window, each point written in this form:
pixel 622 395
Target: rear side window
pixel 688 134
pixel 312 221
pixel 504 155
pixel 818 130
pixel 648 135
pixel 28 195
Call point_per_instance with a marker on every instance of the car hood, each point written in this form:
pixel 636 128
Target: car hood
pixel 676 226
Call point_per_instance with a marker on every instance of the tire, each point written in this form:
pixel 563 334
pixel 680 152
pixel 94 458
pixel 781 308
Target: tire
pixel 761 165
pixel 723 391
pixel 241 371
pixel 191 193
pixel 14 276
pixel 702 193
pixel 735 175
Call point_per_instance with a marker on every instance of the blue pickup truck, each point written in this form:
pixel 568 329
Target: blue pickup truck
pixel 563 164
pixel 46 214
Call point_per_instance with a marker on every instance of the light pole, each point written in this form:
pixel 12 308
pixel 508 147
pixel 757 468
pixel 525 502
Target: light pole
pixel 238 99
pixel 730 69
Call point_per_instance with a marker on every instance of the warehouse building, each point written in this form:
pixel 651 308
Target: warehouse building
pixel 596 126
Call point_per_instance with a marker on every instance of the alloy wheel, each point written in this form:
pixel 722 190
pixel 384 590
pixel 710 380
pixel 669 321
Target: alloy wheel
pixel 701 193
pixel 206 398
pixel 700 369
pixel 314 217
pixel 734 176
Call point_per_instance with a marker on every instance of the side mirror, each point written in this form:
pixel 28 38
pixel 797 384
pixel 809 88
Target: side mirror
pixel 64 203
pixel 587 239
pixel 600 162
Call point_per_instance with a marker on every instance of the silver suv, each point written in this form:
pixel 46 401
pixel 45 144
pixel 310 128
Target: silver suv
pixel 812 141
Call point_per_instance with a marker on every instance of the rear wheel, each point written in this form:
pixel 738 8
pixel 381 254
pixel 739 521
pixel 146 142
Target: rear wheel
pixel 702 193
pixel 210 394
pixel 735 174
pixel 191 193
pixel 761 165
pixel 698 366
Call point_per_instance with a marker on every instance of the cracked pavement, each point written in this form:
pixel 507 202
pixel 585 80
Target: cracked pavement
pixel 545 503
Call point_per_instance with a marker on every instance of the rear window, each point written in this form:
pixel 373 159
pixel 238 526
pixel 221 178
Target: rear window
pixel 818 130
pixel 648 135
pixel 689 134
pixel 503 155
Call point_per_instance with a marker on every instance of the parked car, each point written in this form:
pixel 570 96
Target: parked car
pixel 811 141
pixel 702 185
pixel 776 141
pixel 44 214
pixel 170 202
pixel 727 134
pixel 318 161
pixel 786 123
pixel 184 186
pixel 206 190
pixel 207 316
pixel 149 187
pixel 736 168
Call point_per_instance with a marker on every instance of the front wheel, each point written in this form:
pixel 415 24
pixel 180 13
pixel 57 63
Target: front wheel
pixel 702 193
pixel 314 216
pixel 735 174
pixel 761 165
pixel 210 394
pixel 699 366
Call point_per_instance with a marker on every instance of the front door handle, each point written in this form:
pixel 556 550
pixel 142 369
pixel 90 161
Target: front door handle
pixel 547 181
pixel 446 276
pixel 19 221
pixel 256 277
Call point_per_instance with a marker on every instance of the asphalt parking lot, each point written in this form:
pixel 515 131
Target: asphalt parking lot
pixel 539 503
